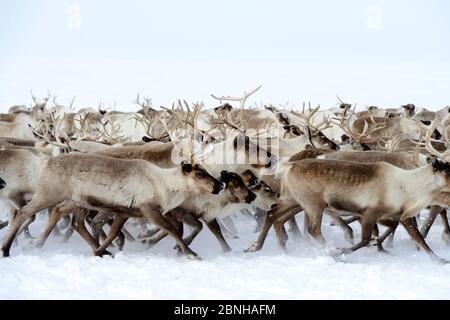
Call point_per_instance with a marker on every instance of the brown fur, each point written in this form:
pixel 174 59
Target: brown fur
pixel 159 154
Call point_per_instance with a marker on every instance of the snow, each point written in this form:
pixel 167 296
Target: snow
pixel 306 271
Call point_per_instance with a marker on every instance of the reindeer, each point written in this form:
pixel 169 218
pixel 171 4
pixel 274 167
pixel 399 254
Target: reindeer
pixel 372 191
pixel 136 187
pixel 17 126
pixel 404 160
pixel 20 168
pixel 210 208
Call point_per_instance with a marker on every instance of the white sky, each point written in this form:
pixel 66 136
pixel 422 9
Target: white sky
pixel 369 52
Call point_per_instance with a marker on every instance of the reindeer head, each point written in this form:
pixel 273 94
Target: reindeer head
pixel 237 187
pixel 410 110
pixel 265 196
pixel 200 178
pixel 223 109
pixel 324 141
pixel 440 166
pixel 440 161
pixel 255 155
pixel 441 171
pixel 292 131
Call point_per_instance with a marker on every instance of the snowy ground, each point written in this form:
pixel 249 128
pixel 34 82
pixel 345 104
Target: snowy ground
pixel 68 271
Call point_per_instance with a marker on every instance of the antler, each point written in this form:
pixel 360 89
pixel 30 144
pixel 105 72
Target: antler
pixel 148 125
pixel 324 124
pixel 71 103
pixel 147 103
pixel 241 100
pixel 367 131
pixel 344 105
pixel 445 156
pixel 113 136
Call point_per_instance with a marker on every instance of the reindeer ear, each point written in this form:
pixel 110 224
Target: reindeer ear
pixel 186 167
pixel 437 165
pixel 224 175
pixel 345 138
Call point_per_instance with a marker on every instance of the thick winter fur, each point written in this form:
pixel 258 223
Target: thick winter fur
pixel 209 208
pixel 373 191
pixel 159 154
pixel 133 186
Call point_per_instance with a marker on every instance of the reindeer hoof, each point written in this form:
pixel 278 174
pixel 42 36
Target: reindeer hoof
pixel 382 250
pixel 37 243
pixel 193 256
pixel 5 253
pixel 226 249
pixel 149 242
pixel 374 241
pixel 340 251
pixel 439 260
pixel 3 224
pixel 255 246
pixel 103 253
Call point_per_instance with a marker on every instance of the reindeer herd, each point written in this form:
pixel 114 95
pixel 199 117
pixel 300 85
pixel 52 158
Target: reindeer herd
pixel 159 170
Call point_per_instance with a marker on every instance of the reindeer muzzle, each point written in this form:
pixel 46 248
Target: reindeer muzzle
pixel 218 187
pixel 250 197
pixel 2 183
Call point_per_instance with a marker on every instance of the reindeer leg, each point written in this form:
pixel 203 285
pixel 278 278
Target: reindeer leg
pixel 351 220
pixel 3 224
pixel 119 241
pixel 56 213
pixel 279 226
pixel 433 213
pixel 214 226
pixel 277 210
pixel 348 231
pixel 116 226
pixel 375 232
pixel 314 212
pixel 367 225
pixel 412 230
pixel 188 219
pixel 148 233
pixel 391 226
pixel 20 202
pixel 446 231
pixel 25 229
pixel 158 219
pixel 38 204
pixel 161 234
pixel 259 217
pixel 65 223
pixel 294 228
pixel 97 223
pixel 68 233
pixel 78 224
pixel 127 234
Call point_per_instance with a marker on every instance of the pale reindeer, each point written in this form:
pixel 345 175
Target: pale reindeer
pixel 210 208
pixel 136 187
pixel 372 191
